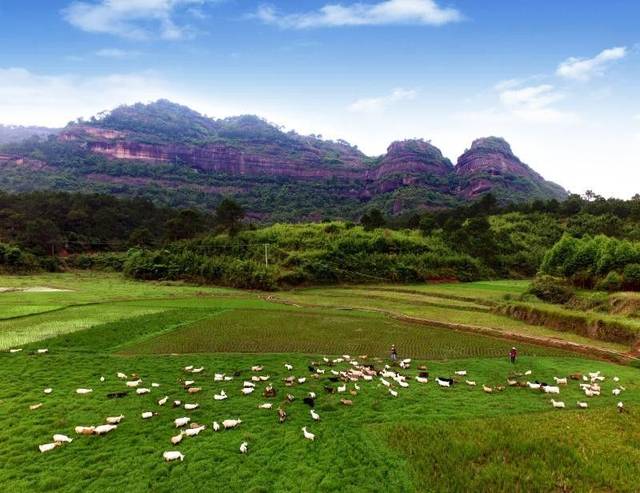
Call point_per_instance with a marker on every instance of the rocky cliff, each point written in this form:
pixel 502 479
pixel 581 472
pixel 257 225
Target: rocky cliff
pixel 176 155
pixel 490 166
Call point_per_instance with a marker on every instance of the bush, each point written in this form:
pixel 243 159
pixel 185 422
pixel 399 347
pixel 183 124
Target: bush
pixel 632 277
pixel 551 289
pixel 613 282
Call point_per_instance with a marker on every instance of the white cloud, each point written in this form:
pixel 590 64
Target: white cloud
pixel 534 103
pixel 585 68
pixel 135 19
pixel 363 14
pixel 117 53
pixel 372 105
pixel 27 98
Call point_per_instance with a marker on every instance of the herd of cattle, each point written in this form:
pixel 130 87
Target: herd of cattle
pixel 346 381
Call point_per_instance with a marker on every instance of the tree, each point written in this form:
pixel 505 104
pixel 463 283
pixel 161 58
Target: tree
pixel 372 219
pixel 229 215
pixel 186 225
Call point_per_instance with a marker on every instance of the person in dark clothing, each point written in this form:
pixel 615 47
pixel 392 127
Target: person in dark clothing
pixel 394 353
pixel 513 354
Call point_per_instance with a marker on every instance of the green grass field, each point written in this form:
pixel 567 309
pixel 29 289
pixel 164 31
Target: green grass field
pixel 426 439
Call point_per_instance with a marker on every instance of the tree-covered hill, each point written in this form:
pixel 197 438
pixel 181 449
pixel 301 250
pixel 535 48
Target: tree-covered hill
pixel 175 156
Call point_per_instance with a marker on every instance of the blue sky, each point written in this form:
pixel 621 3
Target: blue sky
pixel 558 79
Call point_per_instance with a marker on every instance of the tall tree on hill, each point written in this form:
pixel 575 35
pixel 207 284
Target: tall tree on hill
pixel 229 215
pixel 372 219
pixel 187 224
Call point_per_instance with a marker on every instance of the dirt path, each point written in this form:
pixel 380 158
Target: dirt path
pixel 601 353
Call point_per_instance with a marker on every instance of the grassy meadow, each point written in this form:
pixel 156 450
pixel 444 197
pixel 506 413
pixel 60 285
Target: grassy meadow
pixel 426 439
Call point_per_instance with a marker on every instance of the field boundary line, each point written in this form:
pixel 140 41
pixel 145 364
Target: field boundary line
pixel 33 314
pixel 468 299
pixel 480 309
pixel 115 349
pixel 593 351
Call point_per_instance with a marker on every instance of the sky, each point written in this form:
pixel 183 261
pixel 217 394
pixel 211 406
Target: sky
pixel 560 80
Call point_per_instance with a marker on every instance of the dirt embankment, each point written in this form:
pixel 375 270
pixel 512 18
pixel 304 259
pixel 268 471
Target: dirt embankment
pixel 582 324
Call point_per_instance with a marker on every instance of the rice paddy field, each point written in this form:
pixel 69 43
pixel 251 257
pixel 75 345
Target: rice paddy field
pixel 428 438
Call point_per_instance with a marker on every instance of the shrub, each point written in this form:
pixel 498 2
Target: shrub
pixel 612 282
pixel 551 289
pixel 632 277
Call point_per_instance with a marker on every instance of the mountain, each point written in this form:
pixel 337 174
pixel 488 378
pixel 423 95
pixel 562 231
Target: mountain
pixel 490 166
pixel 179 157
pixel 18 133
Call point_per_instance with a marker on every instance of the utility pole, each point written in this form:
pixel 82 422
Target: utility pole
pixel 266 255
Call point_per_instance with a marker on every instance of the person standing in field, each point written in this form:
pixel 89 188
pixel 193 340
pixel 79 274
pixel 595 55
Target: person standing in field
pixel 513 354
pixel 394 353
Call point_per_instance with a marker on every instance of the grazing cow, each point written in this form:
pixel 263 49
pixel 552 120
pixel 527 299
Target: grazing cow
pixel 104 429
pixel 48 446
pixel 444 381
pixel 244 447
pixel 173 455
pixel 282 415
pixel 191 432
pixel 309 401
pixel 307 434
pixel 114 420
pixel 269 391
pixel 84 430
pixel 181 421
pixel 231 423
pixel 62 438
pixel 346 402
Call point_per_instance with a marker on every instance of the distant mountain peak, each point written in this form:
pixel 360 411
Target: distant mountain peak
pixel 495 144
pixel 179 156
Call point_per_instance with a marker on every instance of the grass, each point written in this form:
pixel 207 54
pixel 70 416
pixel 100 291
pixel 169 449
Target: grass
pixel 513 453
pixel 324 332
pixel 451 314
pixel 25 330
pixel 426 439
